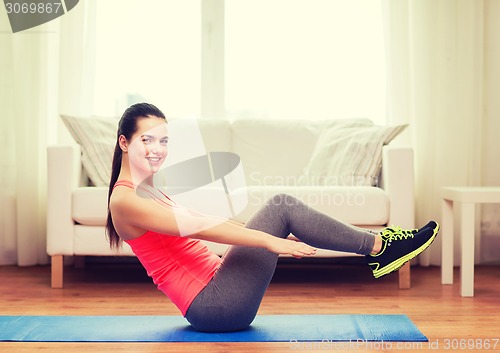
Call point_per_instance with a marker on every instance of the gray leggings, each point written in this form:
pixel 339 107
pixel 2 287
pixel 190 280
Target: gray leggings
pixel 231 299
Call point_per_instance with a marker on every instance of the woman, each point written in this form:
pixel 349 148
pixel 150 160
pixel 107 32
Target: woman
pixel 214 294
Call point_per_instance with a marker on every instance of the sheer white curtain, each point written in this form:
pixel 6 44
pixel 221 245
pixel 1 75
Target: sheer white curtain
pixel 435 54
pixel 77 52
pixel 8 246
pixel 34 64
pixel 27 101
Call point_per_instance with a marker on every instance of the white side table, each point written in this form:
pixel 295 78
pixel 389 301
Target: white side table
pixel 468 197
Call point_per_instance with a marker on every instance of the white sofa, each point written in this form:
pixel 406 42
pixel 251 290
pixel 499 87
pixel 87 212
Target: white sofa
pixel 273 156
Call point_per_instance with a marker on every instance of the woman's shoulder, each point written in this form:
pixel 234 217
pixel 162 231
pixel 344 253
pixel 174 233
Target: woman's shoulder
pixel 129 204
pixel 123 199
pixel 132 210
pixel 124 206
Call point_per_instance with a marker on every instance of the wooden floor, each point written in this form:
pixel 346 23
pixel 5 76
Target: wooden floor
pixel 111 289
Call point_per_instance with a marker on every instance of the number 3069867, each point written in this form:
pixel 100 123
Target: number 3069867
pixel 33 7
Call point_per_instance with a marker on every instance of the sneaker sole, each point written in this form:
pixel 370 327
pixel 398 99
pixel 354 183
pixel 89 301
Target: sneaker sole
pixel 396 265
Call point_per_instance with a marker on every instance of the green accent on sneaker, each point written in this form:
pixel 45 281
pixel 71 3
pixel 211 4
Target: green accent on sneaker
pixel 396 233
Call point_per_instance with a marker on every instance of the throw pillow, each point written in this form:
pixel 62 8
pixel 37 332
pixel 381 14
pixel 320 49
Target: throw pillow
pixel 349 155
pixel 97 138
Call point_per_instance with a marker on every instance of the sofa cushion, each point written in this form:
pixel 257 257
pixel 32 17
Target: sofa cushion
pixel 358 205
pixel 349 155
pixel 97 138
pixel 90 205
pixel 276 153
pixel 91 240
pixel 272 151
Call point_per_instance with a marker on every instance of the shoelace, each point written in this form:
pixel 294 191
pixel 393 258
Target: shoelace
pixel 397 233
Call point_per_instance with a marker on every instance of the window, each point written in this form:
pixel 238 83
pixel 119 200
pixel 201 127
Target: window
pixel 279 58
pixel 305 58
pixel 148 50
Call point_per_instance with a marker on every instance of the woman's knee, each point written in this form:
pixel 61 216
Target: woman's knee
pixel 283 199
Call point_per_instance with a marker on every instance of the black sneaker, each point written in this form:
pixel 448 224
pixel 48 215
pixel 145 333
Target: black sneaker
pixel 400 246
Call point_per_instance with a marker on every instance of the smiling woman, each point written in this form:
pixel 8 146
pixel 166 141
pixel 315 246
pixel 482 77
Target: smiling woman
pixel 146 152
pixel 214 294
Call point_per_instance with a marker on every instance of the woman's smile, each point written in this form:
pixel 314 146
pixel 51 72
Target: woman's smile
pixel 155 161
pixel 149 147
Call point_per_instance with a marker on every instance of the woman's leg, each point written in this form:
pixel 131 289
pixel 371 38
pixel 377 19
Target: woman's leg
pixel 231 300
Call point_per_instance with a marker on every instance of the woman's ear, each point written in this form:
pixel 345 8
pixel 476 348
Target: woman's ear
pixel 122 141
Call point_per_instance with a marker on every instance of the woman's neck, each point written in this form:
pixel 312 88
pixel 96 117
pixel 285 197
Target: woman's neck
pixel 135 178
pixel 144 187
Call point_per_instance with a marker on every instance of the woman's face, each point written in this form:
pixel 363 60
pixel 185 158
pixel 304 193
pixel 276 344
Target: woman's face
pixel 147 149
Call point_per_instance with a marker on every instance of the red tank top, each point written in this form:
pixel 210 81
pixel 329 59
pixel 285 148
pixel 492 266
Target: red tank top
pixel 179 266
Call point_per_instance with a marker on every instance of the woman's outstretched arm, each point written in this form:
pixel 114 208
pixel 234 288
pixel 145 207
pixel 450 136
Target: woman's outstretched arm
pixel 130 210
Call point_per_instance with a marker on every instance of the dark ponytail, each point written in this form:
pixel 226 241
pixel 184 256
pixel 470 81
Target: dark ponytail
pixel 113 237
pixel 127 126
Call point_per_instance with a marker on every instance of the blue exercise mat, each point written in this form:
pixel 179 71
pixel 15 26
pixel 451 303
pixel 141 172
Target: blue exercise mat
pixel 265 328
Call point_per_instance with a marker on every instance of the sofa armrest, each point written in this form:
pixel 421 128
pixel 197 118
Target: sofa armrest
pixel 398 181
pixel 64 173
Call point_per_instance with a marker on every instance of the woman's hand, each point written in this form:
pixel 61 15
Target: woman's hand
pixel 290 247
